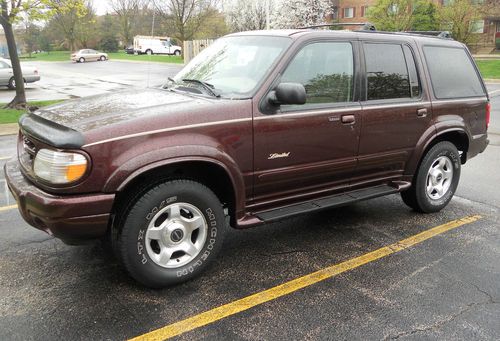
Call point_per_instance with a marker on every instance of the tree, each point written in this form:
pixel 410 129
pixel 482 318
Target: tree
pixel 244 15
pixel 459 17
pixel 300 13
pixel 186 16
pixel 30 35
pixel 11 12
pixel 66 15
pixel 108 41
pixel 127 12
pixel 404 15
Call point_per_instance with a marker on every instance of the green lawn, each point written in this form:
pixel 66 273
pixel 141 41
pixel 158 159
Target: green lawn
pixel 12 115
pixel 58 56
pixel 490 69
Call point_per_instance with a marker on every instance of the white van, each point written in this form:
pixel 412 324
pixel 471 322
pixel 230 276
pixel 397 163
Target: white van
pixel 155 45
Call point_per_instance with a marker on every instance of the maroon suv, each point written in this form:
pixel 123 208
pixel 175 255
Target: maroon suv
pixel 260 126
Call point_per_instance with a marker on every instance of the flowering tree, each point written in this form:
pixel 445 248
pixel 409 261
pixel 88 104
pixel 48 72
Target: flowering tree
pixel 244 15
pixel 300 13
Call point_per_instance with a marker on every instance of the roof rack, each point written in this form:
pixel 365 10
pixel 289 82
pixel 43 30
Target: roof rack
pixel 365 26
pixel 439 34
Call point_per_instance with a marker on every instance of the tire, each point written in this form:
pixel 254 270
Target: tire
pixel 102 58
pixel 436 179
pixel 177 53
pixel 149 52
pixel 81 60
pixel 12 84
pixel 171 233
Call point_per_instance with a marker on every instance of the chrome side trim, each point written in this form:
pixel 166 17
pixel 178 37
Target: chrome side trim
pixel 309 113
pixel 190 126
pixel 459 100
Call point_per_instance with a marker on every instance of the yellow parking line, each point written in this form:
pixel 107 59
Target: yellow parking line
pixel 5 157
pixel 248 302
pixel 5 208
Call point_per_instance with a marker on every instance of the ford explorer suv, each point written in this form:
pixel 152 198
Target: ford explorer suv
pixel 258 127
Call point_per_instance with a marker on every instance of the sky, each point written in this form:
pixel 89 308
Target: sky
pixel 101 6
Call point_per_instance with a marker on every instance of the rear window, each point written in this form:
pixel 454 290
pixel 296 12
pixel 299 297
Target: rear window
pixel 452 73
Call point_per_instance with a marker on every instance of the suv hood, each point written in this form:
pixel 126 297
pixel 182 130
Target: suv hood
pixel 103 110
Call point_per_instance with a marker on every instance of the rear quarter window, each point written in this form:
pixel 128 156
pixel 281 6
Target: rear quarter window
pixel 452 73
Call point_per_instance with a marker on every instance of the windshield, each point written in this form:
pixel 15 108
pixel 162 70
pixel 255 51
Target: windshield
pixel 232 66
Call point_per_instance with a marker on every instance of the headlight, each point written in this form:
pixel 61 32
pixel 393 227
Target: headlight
pixel 59 167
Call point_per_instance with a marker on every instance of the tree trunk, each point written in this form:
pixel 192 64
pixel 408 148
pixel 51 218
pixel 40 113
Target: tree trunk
pixel 19 101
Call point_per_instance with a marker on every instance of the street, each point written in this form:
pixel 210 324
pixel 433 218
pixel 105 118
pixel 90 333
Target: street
pixel 445 288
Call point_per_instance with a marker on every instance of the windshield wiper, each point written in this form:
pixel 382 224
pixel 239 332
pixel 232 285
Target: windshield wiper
pixel 209 87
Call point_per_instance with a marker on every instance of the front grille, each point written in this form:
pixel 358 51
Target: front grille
pixel 26 151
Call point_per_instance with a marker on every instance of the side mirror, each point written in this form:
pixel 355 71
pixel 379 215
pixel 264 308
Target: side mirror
pixel 288 93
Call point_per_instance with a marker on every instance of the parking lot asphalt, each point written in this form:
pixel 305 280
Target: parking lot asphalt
pixel 446 287
pixel 63 80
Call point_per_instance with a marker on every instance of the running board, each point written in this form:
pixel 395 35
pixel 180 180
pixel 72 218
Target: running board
pixel 329 202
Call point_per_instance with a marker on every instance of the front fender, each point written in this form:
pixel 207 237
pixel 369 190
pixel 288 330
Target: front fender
pixel 145 162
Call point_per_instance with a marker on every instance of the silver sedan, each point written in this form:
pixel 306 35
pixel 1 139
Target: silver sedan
pixel 30 74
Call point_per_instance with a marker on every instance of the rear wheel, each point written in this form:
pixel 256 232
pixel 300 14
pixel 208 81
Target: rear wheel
pixel 149 52
pixel 171 233
pixel 436 180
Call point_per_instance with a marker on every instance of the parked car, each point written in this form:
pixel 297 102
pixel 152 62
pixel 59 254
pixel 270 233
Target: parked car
pixel 86 55
pixel 129 49
pixel 156 45
pixel 260 126
pixel 30 74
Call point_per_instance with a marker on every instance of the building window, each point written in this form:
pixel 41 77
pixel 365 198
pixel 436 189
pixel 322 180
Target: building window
pixel 364 11
pixel 477 26
pixel 349 12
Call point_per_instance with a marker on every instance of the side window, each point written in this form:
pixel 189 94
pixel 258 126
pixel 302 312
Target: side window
pixel 386 72
pixel 326 70
pixel 4 65
pixel 452 73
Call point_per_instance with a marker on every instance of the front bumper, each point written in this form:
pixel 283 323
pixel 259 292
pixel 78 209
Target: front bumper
pixel 59 215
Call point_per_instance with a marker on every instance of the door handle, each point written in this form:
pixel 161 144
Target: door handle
pixel 422 112
pixel 348 119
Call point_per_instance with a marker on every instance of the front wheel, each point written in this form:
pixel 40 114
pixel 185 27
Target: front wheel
pixel 12 84
pixel 436 180
pixel 81 60
pixel 102 59
pixel 177 53
pixel 172 233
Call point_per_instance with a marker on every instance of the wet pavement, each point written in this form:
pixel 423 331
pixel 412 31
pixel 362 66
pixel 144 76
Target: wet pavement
pixel 63 80
pixel 446 288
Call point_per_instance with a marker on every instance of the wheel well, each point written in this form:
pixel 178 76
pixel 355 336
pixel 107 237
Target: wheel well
pixel 458 138
pixel 209 174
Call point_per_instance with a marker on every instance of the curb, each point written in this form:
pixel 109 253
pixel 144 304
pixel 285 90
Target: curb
pixel 492 80
pixel 9 129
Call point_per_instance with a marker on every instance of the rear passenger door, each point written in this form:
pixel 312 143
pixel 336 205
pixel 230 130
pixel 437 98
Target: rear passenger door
pixel 396 111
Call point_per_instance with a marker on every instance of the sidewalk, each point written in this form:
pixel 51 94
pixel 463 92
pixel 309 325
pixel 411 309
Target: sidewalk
pixel 9 129
pixel 495 56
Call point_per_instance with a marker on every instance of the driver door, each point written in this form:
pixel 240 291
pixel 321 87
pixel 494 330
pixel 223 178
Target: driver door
pixel 310 148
